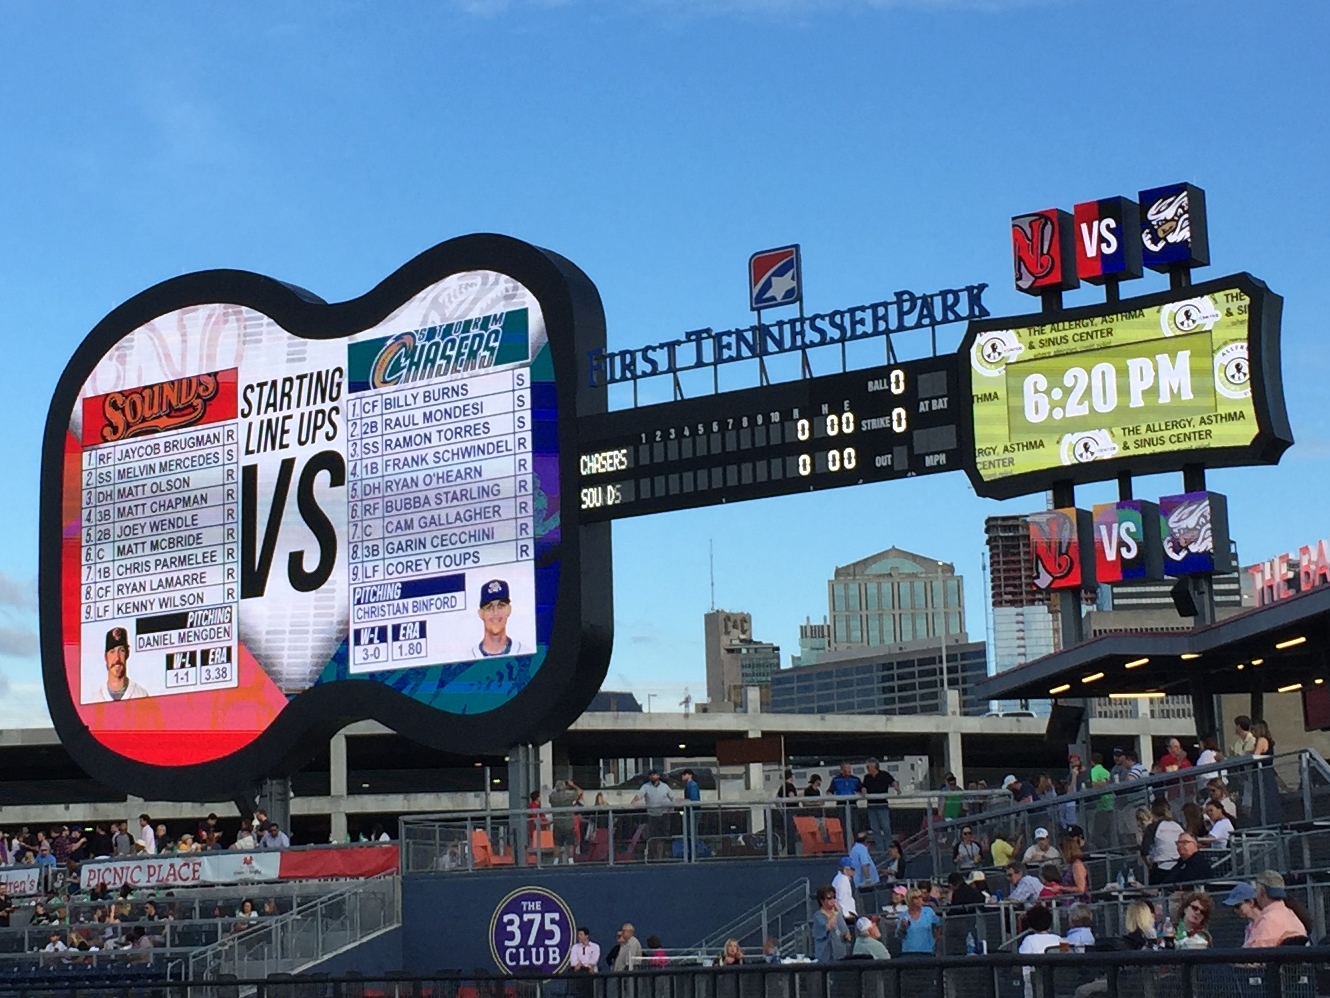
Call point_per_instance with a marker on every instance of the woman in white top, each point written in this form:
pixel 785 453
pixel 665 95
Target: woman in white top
pixel 1161 841
pixel 1210 753
pixel 1221 826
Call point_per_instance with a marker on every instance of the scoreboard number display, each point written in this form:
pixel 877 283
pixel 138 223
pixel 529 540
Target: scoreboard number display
pixel 861 426
pixel 1128 386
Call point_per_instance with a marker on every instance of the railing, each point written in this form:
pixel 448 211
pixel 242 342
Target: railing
pixel 1270 793
pixel 697 832
pixel 784 916
pixel 1287 972
pixel 310 933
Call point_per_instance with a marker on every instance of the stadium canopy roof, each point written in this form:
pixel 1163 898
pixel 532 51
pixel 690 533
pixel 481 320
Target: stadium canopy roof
pixel 1268 649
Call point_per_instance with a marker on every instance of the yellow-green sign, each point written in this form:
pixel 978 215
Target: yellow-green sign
pixel 1175 376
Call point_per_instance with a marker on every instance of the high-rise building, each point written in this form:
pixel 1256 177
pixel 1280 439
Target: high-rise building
pixel 895 597
pixel 880 650
pixel 814 640
pixel 734 660
pixel 887 680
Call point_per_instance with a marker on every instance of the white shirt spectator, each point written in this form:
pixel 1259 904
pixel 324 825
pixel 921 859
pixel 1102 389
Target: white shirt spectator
pixel 657 797
pixel 278 841
pixel 585 955
pixel 1164 850
pixel 1220 831
pixel 844 888
pixel 1040 942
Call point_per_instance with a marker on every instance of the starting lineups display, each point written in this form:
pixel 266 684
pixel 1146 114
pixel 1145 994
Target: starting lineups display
pixel 441 485
pixel 160 545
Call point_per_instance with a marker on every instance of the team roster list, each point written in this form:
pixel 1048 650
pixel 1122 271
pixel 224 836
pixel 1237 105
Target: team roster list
pixel 160 536
pixel 440 479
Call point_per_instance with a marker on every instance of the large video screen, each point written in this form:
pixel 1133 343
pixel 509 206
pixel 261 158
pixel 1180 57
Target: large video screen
pixel 249 515
pixel 1185 377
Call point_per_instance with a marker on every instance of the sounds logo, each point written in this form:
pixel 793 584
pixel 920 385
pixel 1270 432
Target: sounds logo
pixel 166 405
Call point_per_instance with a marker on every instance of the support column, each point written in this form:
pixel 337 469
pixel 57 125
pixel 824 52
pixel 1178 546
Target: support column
pixel 952 755
pixel 337 786
pixel 275 798
pixel 523 777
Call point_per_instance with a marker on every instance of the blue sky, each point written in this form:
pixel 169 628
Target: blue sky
pixel 656 144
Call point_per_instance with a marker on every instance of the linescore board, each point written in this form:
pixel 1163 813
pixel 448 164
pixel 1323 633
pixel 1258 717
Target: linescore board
pixel 869 425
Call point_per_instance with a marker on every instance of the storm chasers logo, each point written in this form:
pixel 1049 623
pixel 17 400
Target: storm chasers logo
pixel 440 351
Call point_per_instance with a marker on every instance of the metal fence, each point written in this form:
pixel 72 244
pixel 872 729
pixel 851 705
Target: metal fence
pixel 311 932
pixel 1278 973
pixel 1269 793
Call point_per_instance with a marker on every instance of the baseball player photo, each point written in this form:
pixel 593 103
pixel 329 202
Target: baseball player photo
pixel 495 608
pixel 118 684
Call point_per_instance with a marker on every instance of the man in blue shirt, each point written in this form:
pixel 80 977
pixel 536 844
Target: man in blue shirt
pixel 865 870
pixel 847 786
pixel 692 794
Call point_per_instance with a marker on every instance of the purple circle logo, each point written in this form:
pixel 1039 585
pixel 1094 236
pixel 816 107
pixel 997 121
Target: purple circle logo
pixel 532 932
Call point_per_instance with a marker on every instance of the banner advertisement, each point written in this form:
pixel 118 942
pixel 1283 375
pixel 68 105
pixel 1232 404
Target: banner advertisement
pixel 20 880
pixel 224 867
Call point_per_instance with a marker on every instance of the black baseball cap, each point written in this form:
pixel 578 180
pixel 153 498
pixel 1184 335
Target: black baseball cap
pixel 117 637
pixel 494 589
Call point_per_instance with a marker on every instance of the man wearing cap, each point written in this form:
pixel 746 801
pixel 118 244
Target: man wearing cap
pixel 495 608
pixel 1242 899
pixel 1043 851
pixel 118 684
pixel 1276 922
pixel 659 802
pixel 843 884
pixel 868 940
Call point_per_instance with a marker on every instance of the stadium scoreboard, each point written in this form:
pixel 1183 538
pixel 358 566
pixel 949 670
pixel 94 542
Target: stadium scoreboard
pixel 869 425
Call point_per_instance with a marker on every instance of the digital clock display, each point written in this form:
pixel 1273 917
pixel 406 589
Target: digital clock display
pixel 841 429
pixel 1125 386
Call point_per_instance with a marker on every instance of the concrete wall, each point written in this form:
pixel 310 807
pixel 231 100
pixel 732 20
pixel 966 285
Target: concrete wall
pixel 446 917
pixel 372 958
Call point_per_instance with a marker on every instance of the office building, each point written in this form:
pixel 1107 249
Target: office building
pixel 733 659
pixel 894 597
pixel 883 681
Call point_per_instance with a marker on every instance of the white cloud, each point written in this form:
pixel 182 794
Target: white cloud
pixel 18 642
pixel 17 594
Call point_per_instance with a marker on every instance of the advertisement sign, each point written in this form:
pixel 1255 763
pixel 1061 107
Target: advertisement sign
pixel 20 881
pixel 1127 542
pixel 1108 240
pixel 227 867
pixel 259 507
pixel 531 932
pixel 1043 252
pixel 1060 547
pixel 1194 528
pixel 1286 575
pixel 775 277
pixel 1137 386
pixel 1173 227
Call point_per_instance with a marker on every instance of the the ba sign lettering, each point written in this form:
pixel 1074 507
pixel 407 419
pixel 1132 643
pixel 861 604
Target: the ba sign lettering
pixel 264 516
pixel 1042 251
pixel 531 932
pixel 1059 549
pixel 1108 240
pixel 1127 543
